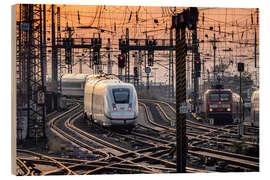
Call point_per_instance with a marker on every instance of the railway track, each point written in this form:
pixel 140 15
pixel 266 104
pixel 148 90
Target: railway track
pixel 126 153
pixel 23 169
pixel 136 157
pixel 150 154
pixel 221 134
pixel 236 159
pixel 29 164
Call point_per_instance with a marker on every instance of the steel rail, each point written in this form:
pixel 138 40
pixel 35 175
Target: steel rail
pixel 59 164
pixel 23 166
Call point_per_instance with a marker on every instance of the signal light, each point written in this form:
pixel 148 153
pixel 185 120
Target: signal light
pixel 114 107
pixel 197 67
pixel 121 61
pixel 96 57
pixel 241 67
pixel 136 71
pixel 129 107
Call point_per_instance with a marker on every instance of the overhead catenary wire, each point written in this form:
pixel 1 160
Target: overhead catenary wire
pixel 141 19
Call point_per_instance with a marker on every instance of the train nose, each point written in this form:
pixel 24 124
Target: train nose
pixel 122 107
pixel 121 111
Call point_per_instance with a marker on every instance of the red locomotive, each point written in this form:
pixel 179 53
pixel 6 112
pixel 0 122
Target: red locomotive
pixel 222 106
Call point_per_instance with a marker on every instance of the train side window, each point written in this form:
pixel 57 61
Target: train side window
pixel 71 84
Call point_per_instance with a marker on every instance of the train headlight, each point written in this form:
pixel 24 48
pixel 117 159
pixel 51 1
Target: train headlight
pixel 114 107
pixel 129 107
pixel 228 109
pixel 210 109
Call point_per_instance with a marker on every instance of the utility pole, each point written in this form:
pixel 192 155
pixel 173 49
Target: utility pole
pixel 127 68
pixel 54 55
pixel 42 64
pixel 136 70
pixel 195 57
pixel 171 72
pixel 109 70
pixel 255 48
pixel 68 42
pixel 140 68
pixel 44 50
pixel 214 47
pixel 147 71
pixel 188 18
pixel 59 52
pixel 181 98
pixel 241 69
pixel 80 61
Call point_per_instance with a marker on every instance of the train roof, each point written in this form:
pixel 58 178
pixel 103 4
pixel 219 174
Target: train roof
pixel 74 76
pixel 217 90
pixel 94 77
pixel 106 80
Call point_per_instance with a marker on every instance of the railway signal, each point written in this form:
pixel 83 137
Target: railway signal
pixel 135 71
pixel 241 67
pixel 197 67
pixel 150 58
pixel 67 43
pixel 121 61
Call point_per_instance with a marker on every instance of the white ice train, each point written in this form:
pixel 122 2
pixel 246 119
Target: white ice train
pixel 73 85
pixel 110 102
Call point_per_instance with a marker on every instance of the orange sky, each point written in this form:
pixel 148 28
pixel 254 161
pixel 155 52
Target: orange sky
pixel 237 22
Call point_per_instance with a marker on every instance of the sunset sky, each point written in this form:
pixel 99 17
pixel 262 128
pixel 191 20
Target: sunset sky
pixel 233 27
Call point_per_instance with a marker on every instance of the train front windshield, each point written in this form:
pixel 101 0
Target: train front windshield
pixel 215 97
pixel 121 95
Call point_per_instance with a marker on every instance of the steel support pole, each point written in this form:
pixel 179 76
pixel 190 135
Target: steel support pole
pixel 214 47
pixel 255 49
pixel 195 78
pixel 44 49
pixel 29 19
pixel 127 68
pixel 147 76
pixel 181 146
pixel 171 74
pixel 42 60
pixel 109 67
pixel 241 109
pixel 54 55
